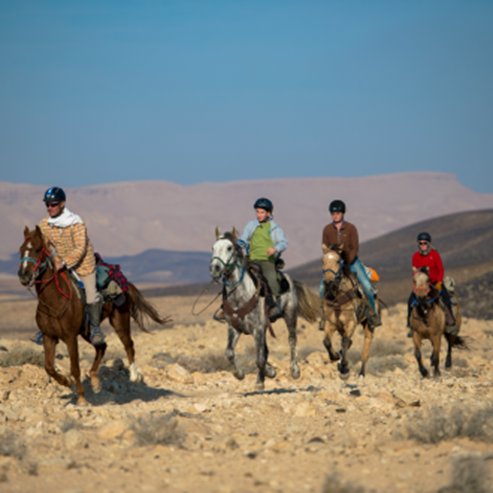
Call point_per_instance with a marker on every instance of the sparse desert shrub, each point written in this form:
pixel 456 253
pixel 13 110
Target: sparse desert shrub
pixel 469 475
pixel 158 430
pixel 440 424
pixel 19 356
pixel 333 484
pixel 11 445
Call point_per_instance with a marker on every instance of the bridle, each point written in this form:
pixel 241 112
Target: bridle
pixel 41 264
pixel 235 260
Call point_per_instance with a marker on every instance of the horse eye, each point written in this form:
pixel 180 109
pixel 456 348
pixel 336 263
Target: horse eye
pixel 229 248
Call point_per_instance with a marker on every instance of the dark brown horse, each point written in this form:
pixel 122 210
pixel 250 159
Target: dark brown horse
pixel 60 314
pixel 427 321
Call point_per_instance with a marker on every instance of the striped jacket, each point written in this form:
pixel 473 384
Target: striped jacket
pixel 72 245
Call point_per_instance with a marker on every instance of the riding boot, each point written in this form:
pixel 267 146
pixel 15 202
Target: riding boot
pixel 374 320
pixel 323 320
pixel 274 304
pixel 94 312
pixel 37 338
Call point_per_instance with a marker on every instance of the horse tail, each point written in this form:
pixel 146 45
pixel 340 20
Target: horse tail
pixel 308 302
pixel 139 307
pixel 457 341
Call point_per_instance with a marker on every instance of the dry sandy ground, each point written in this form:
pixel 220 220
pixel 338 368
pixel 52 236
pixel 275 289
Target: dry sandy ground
pixel 193 427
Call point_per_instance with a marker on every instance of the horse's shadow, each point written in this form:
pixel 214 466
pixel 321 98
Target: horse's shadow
pixel 120 390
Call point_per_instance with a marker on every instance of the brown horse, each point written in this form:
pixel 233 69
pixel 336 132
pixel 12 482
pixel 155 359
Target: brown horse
pixel 427 321
pixel 345 308
pixel 60 314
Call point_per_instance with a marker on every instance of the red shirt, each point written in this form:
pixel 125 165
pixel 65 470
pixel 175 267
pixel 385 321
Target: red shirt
pixel 434 263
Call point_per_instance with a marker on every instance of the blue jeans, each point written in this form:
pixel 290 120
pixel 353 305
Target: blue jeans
pixel 358 268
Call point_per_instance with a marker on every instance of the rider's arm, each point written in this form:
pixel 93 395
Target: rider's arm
pixel 78 233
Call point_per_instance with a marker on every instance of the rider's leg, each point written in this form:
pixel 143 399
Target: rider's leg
pixel 94 308
pixel 272 298
pixel 449 314
pixel 321 290
pixel 358 268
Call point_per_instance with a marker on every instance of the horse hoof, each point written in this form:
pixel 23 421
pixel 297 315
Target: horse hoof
pixel 270 372
pixel 135 374
pixel 344 376
pixel 260 386
pixel 334 357
pixel 239 375
pixel 81 401
pixel 295 373
pixel 96 385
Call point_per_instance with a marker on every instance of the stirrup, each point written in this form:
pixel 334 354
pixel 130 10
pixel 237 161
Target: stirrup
pixel 219 315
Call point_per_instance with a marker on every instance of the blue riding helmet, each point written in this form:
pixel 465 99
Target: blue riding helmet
pixel 337 206
pixel 54 194
pixel 263 203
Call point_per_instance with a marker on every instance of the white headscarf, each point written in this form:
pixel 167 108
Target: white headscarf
pixel 65 219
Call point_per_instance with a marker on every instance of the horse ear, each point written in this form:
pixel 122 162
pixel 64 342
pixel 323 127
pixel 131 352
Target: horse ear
pixel 325 248
pixel 217 233
pixel 234 232
pixel 26 232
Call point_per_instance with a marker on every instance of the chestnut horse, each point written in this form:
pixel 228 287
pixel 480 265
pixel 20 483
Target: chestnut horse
pixel 60 314
pixel 427 321
pixel 345 308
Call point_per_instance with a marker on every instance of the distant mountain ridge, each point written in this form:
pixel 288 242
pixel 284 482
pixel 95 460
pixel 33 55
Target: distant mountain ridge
pixel 126 219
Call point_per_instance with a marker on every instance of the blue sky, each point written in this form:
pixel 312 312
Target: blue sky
pixel 193 91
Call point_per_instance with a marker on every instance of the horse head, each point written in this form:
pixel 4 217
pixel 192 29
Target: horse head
pixel 421 282
pixel 34 256
pixel 225 255
pixel 331 263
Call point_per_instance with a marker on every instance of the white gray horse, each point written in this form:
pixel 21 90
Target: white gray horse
pixel 245 309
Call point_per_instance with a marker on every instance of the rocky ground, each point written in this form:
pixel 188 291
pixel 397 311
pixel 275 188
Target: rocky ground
pixel 193 427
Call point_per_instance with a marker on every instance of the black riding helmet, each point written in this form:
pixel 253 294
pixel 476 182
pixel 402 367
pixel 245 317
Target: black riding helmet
pixel 263 203
pixel 54 194
pixel 337 206
pixel 424 237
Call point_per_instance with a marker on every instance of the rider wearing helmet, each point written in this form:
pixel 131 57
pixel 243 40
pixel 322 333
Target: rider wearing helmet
pixel 429 258
pixel 264 240
pixel 66 234
pixel 344 234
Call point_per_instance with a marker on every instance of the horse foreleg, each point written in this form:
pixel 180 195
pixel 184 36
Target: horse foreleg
pixel 292 337
pixel 417 354
pixel 262 355
pixel 329 331
pixel 49 344
pixel 343 366
pixel 73 351
pixel 366 350
pixel 121 323
pixel 435 355
pixel 233 337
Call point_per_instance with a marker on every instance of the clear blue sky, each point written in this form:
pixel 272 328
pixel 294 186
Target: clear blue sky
pixel 193 91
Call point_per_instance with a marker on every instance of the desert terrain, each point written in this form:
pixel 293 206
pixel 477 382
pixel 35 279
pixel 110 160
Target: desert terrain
pixel 191 426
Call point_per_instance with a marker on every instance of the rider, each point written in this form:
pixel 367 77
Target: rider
pixel 429 258
pixel 264 240
pixel 344 234
pixel 66 234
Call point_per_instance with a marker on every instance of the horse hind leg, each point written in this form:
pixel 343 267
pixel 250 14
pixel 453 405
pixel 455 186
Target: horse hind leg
pixel 121 323
pixel 262 355
pixel 450 342
pixel 233 337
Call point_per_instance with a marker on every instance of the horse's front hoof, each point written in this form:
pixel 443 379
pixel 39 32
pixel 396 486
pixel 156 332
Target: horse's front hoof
pixel 95 384
pixel 344 376
pixel 424 373
pixel 270 371
pixel 81 401
pixel 239 375
pixel 259 386
pixel 334 357
pixel 295 372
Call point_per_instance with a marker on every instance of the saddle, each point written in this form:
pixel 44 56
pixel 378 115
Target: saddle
pixel 258 277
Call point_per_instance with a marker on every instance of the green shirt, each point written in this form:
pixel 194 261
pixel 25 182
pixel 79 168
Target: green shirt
pixel 260 242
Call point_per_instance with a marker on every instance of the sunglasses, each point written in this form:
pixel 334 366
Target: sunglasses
pixel 423 243
pixel 52 204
